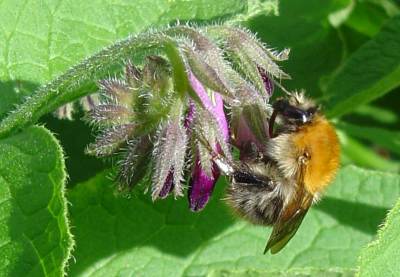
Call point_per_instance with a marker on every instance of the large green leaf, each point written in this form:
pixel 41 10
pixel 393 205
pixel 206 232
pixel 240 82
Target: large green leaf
pixel 34 232
pixel 43 38
pixel 381 257
pixel 372 71
pixel 125 236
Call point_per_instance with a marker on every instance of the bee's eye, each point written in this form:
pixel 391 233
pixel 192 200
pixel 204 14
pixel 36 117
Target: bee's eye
pixel 295 114
pixel 292 114
pixel 311 111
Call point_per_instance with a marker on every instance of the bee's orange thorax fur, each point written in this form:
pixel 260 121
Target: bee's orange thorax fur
pixel 320 141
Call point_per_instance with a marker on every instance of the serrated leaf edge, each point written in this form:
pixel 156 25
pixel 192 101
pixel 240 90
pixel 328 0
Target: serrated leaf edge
pixel 71 241
pixel 395 211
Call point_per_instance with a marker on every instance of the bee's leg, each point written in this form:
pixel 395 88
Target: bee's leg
pixel 226 167
pixel 254 196
pixel 248 177
pixel 241 173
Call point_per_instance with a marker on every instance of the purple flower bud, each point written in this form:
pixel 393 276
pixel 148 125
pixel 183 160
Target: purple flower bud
pixel 168 185
pixel 267 80
pixel 219 114
pixel 212 77
pixel 169 158
pixel 135 165
pixel 201 187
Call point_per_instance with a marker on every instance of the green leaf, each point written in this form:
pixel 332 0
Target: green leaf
pixel 378 114
pixel 256 8
pixel 303 26
pixel 69 31
pixel 388 139
pixel 74 148
pixel 370 72
pixel 34 232
pixel 381 257
pixel 364 156
pixel 125 236
pixel 296 272
pixel 367 18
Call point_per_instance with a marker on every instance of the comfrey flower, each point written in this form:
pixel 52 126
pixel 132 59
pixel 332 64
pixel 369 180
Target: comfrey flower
pixel 202 91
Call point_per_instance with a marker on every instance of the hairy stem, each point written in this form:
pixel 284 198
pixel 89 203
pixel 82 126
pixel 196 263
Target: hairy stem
pixel 80 80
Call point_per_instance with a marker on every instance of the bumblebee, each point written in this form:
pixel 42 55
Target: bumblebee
pixel 276 188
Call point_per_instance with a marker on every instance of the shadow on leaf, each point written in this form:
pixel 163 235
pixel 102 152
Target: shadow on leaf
pixel 13 93
pixel 363 217
pixel 74 137
pixel 124 224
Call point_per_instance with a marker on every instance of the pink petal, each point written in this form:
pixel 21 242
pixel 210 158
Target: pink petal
pixel 216 110
pixel 245 136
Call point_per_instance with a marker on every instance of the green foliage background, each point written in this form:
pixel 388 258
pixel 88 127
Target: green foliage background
pixel 345 53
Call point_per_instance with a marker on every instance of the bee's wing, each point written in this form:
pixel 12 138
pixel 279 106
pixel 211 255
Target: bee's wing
pixel 286 227
pixel 290 218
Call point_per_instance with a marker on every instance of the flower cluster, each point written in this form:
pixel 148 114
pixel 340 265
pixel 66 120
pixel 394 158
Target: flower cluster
pixel 202 91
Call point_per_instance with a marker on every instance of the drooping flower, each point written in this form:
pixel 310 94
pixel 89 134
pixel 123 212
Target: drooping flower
pixel 169 156
pixel 167 117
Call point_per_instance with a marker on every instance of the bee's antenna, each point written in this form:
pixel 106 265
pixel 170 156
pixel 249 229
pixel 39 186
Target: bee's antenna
pixel 219 158
pixel 278 84
pixel 271 123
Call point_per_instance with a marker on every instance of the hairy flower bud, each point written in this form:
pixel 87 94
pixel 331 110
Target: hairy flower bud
pixel 135 164
pixel 108 114
pixel 251 55
pixel 169 156
pixel 157 74
pixel 116 92
pixel 206 74
pixel 133 76
pixel 110 140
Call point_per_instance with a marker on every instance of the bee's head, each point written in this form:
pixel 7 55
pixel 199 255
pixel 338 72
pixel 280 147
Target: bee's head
pixel 294 111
